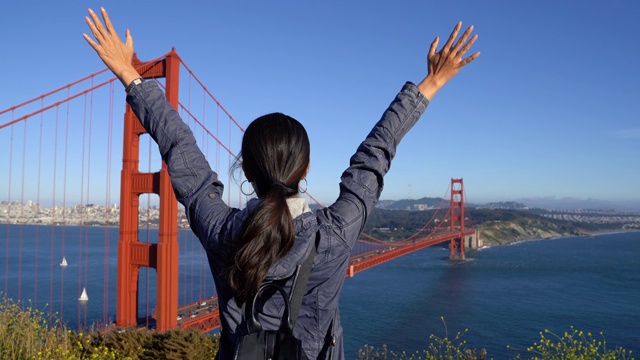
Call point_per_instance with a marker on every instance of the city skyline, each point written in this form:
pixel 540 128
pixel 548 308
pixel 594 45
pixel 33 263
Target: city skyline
pixel 548 110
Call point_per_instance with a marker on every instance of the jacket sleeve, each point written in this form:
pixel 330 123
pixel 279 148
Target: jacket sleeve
pixel 362 182
pixel 195 184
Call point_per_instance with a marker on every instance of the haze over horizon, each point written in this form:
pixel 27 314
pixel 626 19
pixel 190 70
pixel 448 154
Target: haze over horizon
pixel 548 111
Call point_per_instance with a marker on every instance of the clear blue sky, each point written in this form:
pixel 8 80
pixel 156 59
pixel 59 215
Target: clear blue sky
pixel 549 109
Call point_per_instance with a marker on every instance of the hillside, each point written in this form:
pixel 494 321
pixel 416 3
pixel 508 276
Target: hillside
pixel 504 232
pixel 500 226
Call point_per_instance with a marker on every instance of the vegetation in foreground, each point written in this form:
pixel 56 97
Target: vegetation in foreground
pixel 26 333
pixel 573 345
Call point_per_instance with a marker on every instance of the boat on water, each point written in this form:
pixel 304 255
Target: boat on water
pixel 84 296
pixel 64 262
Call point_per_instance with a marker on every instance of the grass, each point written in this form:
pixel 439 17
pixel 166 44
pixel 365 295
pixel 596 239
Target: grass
pixel 29 334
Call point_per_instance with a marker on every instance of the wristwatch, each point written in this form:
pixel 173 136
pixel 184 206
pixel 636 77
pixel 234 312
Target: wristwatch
pixel 133 84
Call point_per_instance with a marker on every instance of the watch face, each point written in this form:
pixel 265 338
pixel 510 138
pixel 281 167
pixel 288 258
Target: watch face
pixel 133 84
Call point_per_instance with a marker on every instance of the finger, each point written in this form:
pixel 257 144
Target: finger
pixel 469 59
pixel 107 21
pixel 434 47
pixel 92 43
pixel 468 45
pixel 453 36
pixel 93 29
pixel 98 24
pixel 129 40
pixel 463 38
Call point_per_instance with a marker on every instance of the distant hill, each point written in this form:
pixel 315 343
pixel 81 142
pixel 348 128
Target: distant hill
pixel 422 204
pixel 427 203
pixel 551 202
pixel 505 205
pixel 501 226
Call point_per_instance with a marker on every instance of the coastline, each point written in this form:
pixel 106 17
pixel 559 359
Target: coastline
pixel 612 232
pixel 509 242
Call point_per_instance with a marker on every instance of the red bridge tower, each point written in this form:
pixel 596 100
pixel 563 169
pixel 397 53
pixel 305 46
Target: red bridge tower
pixel 133 254
pixel 456 209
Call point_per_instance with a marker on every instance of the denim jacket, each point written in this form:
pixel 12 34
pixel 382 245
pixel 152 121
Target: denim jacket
pixel 338 226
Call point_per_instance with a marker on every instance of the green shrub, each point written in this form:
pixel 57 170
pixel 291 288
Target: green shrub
pixel 573 345
pixel 439 349
pixel 27 334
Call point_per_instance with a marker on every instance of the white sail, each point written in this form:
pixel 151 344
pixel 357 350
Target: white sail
pixel 84 296
pixel 64 262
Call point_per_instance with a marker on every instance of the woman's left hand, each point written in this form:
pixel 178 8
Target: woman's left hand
pixel 445 64
pixel 113 52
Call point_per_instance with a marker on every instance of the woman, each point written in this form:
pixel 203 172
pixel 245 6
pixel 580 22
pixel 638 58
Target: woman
pixel 277 231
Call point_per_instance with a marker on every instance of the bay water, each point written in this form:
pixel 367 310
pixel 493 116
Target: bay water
pixel 504 295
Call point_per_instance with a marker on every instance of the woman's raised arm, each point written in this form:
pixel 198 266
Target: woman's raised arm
pixel 362 182
pixel 195 184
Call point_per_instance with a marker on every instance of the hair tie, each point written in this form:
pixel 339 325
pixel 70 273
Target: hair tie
pixel 287 190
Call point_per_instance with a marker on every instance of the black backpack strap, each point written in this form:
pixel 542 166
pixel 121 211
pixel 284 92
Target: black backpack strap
pixel 300 283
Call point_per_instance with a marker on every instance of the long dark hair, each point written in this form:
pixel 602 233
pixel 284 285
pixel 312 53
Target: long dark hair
pixel 275 157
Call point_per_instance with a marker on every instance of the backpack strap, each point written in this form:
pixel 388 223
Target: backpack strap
pixel 300 283
pixel 292 302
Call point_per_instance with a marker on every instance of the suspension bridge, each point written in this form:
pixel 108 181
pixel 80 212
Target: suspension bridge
pixel 67 235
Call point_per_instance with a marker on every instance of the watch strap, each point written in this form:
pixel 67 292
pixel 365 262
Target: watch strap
pixel 133 84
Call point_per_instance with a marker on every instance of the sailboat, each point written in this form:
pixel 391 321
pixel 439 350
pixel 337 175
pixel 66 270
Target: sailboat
pixel 64 262
pixel 84 296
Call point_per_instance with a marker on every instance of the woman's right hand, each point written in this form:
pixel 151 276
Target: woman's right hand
pixel 113 52
pixel 445 64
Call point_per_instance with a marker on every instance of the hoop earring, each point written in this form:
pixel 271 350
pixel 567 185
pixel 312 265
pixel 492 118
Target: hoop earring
pixel 242 189
pixel 306 185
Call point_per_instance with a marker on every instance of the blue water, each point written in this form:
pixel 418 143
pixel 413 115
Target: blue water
pixel 505 295
pixel 36 278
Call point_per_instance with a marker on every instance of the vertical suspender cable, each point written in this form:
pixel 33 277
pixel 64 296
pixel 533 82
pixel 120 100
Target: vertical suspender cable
pixel 88 198
pixel 6 263
pixel 39 207
pixel 64 201
pixel 24 153
pixel 82 203
pixel 53 210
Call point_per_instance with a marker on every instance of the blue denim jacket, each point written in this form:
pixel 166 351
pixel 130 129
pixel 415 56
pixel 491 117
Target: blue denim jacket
pixel 338 226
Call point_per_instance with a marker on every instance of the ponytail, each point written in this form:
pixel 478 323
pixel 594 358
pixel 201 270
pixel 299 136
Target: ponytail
pixel 275 155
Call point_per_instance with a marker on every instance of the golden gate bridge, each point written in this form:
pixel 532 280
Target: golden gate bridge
pixel 39 168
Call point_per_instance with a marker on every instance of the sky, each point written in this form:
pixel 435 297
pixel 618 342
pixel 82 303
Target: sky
pixel 549 110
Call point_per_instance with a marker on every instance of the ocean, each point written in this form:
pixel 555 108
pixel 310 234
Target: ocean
pixel 504 295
